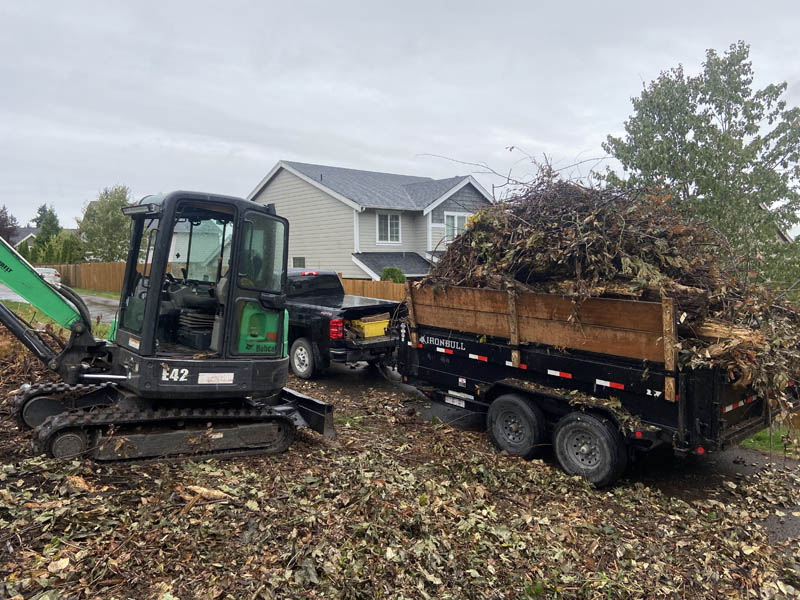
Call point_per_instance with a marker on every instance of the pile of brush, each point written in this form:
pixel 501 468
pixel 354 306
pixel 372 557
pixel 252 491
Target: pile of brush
pixel 565 239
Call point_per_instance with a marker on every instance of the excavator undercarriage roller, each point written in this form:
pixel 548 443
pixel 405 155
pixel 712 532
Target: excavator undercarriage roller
pixel 70 443
pixel 35 403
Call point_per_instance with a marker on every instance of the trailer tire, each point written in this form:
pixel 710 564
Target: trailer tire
pixel 590 446
pixel 301 358
pixel 516 425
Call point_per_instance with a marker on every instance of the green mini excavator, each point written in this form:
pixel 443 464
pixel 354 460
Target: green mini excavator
pixel 197 358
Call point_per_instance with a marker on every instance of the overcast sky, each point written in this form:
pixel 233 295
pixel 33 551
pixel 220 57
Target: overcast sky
pixel 187 95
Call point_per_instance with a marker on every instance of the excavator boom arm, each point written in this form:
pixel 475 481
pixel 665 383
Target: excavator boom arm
pixel 17 274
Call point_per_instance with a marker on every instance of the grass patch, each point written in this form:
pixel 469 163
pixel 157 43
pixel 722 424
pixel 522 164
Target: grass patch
pixel 83 292
pixel 37 317
pixel 761 441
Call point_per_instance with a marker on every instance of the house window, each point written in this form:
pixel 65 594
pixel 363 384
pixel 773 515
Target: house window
pixel 388 228
pixel 299 262
pixel 454 223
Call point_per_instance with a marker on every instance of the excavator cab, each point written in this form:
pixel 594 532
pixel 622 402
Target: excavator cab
pixel 203 298
pixel 198 361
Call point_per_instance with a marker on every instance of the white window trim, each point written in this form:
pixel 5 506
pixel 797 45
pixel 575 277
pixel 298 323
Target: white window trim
pixel 430 233
pixel 448 213
pixel 356 232
pixel 378 242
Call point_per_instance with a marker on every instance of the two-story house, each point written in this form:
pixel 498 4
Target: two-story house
pixel 358 222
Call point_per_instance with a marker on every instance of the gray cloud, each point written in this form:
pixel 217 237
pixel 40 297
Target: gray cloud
pixel 194 95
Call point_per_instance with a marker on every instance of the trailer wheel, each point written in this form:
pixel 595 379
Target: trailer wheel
pixel 516 425
pixel 301 357
pixel 590 446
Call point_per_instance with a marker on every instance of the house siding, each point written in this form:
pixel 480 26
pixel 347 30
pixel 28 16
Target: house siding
pixel 368 224
pixel 437 238
pixel 467 199
pixel 420 233
pixel 320 226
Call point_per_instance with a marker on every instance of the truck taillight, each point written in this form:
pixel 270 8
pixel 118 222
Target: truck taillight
pixel 307 273
pixel 337 329
pixel 58 274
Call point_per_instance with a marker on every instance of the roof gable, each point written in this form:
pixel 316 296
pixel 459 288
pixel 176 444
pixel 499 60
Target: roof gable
pixel 372 189
pixel 21 233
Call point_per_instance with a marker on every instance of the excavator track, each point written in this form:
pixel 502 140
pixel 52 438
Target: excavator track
pixel 61 396
pixel 115 434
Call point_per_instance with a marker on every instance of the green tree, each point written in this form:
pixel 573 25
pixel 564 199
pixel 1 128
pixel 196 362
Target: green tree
pixel 64 248
pixel 8 224
pixel 40 214
pixel 47 221
pixel 104 229
pixel 24 251
pixel 727 153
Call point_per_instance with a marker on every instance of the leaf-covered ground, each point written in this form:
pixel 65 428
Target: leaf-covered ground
pixel 394 507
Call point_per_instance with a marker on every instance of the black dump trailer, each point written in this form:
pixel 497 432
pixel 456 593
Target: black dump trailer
pixel 596 379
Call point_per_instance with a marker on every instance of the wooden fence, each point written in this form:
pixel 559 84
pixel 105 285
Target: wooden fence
pixel 103 277
pixel 386 290
pixel 107 277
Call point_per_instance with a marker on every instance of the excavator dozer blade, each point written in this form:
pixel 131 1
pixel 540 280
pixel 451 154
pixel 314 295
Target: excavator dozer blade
pixel 316 415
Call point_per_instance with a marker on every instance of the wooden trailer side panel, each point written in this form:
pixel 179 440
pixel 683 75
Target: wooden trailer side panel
pixel 628 328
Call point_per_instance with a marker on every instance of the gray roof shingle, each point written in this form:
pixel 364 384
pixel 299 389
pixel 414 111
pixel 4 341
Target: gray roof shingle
pixel 21 233
pixel 410 263
pixel 372 189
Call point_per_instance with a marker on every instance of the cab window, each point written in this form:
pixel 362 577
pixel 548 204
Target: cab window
pixel 261 259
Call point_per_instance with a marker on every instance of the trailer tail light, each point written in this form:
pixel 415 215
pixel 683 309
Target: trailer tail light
pixel 638 435
pixel 701 450
pixel 337 329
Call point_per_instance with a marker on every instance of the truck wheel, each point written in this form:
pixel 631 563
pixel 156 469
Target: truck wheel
pixel 590 446
pixel 302 358
pixel 516 425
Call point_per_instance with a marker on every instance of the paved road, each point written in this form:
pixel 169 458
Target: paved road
pixel 98 306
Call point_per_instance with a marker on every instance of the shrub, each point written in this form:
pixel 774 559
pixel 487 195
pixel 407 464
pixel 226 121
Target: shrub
pixel 392 274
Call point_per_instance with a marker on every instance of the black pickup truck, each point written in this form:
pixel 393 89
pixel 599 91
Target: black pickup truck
pixel 326 325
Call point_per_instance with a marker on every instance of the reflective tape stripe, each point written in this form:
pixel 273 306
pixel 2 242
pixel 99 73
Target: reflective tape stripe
pixel 609 384
pixel 444 350
pixel 521 365
pixel 559 374
pixel 479 357
pixel 739 404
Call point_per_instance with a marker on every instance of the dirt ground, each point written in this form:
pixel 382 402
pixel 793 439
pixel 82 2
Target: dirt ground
pixel 692 478
pixel 397 506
